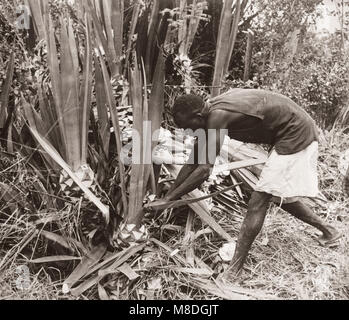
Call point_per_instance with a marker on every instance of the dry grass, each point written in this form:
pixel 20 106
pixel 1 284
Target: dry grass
pixel 285 262
pixel 290 263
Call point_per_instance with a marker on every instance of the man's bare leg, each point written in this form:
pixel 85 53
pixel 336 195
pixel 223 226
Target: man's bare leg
pixel 251 226
pixel 304 213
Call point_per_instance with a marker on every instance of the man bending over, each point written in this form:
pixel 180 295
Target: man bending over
pixel 256 116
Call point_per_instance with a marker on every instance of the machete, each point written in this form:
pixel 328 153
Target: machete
pixel 159 205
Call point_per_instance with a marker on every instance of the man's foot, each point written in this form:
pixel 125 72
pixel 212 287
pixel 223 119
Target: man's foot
pixel 229 277
pixel 331 238
pixel 230 274
pixel 234 273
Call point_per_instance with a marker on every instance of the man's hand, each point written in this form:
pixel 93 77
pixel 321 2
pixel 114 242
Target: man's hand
pixel 166 203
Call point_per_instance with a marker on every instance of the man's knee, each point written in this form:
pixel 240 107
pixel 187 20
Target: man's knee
pixel 257 209
pixel 259 202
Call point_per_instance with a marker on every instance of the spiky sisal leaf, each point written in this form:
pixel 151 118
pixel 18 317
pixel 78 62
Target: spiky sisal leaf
pixel 134 20
pixel 38 9
pixel 117 23
pixel 86 91
pixel 56 85
pixel 144 111
pixel 149 113
pixel 5 90
pixel 70 96
pixel 101 101
pixel 153 24
pixel 137 171
pixel 227 34
pixel 222 46
pixel 156 108
pixel 154 39
pixel 65 114
pixel 115 120
pixel 233 35
pixel 189 27
pixel 107 17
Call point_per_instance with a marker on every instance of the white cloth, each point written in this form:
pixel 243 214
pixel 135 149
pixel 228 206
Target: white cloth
pixel 288 176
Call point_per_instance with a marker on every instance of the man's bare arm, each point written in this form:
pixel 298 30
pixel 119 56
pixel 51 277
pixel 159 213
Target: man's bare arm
pixel 187 169
pixel 201 172
pixel 192 182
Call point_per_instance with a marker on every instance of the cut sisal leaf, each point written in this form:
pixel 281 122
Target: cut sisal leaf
pixel 195 271
pixel 200 208
pixel 86 264
pixel 238 165
pixel 128 272
pixel 54 259
pixel 102 293
pixel 122 258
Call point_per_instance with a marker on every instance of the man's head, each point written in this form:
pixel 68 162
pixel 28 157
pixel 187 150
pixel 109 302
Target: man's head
pixel 188 112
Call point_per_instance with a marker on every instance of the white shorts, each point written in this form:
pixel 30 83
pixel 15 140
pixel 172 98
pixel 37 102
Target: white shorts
pixel 291 176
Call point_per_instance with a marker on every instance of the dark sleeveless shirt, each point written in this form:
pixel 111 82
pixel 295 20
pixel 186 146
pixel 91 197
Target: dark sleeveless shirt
pixel 275 119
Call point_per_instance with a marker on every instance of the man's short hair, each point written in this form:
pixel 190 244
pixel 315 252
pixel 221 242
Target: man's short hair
pixel 188 104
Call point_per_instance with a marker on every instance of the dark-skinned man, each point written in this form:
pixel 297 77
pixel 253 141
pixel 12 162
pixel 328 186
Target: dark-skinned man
pixel 262 117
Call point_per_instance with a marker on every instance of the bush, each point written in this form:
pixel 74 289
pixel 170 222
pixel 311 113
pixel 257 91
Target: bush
pixel 317 79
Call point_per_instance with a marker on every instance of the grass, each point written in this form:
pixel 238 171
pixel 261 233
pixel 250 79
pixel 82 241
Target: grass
pixel 285 262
